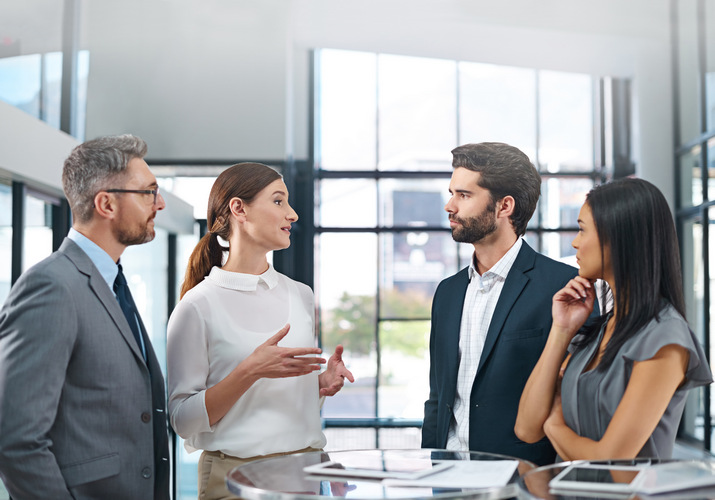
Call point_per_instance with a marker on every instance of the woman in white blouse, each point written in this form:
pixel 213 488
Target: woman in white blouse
pixel 234 392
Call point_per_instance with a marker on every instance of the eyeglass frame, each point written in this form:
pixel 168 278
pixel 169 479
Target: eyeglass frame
pixel 155 192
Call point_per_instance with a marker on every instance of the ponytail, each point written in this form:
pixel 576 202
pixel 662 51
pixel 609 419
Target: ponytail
pixel 207 254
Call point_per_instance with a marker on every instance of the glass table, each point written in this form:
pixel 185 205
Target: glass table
pixel 534 484
pixel 283 478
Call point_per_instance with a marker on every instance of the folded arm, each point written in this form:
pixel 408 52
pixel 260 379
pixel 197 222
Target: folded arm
pixel 650 389
pixel 571 306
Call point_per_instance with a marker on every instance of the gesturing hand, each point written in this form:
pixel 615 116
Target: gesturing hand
pixel 573 304
pixel 333 378
pixel 271 361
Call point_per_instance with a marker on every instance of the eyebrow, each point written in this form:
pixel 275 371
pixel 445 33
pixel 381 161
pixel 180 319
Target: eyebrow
pixel 280 192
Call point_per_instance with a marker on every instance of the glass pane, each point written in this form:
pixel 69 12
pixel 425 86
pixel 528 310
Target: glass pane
pixel 82 79
pixel 557 245
pixel 691 190
pixel 710 65
pixel 52 88
pixel 497 103
pixel 711 284
pixel 346 286
pixel 20 82
pixel 186 472
pixel 351 438
pixel 417 106
pixel 347 109
pixel 416 203
pixel 193 190
pixel 409 438
pixel 711 168
pixel 346 203
pixel 145 267
pixel 693 278
pixel 38 231
pixel 532 239
pixel 5 240
pixel 561 201
pixel 566 122
pixel 411 266
pixel 688 71
pixel 404 377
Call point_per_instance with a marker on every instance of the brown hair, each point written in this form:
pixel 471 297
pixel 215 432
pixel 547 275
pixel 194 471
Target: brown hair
pixel 505 171
pixel 244 181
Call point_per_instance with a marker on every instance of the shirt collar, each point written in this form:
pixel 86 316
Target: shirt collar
pixel 101 259
pixel 243 282
pixel 503 265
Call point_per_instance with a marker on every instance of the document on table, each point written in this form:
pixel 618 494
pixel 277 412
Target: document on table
pixel 464 474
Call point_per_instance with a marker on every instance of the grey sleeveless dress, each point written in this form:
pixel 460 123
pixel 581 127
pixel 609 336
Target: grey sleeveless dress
pixel 589 399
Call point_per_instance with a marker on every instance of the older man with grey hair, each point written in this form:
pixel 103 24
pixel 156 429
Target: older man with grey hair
pixel 82 401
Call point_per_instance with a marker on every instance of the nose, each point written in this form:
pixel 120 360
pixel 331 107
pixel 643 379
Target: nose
pixel 573 242
pixel 448 206
pixel 292 215
pixel 160 203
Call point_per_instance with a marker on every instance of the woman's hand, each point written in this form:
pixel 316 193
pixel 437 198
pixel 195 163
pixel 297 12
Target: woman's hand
pixel 572 305
pixel 333 378
pixel 271 361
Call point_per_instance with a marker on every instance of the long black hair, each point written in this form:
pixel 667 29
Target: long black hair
pixel 634 223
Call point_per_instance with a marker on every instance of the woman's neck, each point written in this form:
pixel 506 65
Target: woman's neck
pixel 245 262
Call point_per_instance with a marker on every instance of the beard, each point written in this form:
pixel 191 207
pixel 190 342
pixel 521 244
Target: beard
pixel 136 235
pixel 477 228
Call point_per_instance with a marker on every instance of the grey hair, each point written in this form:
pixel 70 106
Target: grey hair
pixel 94 165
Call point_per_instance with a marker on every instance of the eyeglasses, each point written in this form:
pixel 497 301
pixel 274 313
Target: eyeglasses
pixel 155 192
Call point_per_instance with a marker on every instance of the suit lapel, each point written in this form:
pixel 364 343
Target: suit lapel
pixel 453 320
pixel 99 287
pixel 515 282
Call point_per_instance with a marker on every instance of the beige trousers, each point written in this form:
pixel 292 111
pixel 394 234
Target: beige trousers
pixel 214 466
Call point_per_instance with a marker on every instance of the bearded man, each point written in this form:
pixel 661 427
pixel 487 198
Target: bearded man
pixel 490 321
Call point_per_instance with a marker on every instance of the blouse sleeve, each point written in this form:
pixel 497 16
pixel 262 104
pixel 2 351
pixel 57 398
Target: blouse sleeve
pixel 668 331
pixel 187 370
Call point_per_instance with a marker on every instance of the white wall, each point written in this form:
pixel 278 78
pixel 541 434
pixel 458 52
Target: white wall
pixel 202 80
pixel 32 150
pixel 228 79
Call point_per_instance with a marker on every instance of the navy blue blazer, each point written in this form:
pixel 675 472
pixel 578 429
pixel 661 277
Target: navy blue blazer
pixel 516 336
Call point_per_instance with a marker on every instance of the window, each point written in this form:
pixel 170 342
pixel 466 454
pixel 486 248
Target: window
pixel 5 240
pixel 385 126
pixel 33 83
pixel 693 33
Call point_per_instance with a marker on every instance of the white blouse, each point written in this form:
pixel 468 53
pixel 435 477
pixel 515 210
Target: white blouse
pixel 215 326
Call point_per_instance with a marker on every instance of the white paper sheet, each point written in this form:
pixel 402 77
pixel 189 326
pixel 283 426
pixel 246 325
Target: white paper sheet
pixel 469 474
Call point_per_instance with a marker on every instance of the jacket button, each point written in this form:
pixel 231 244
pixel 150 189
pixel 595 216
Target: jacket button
pixel 146 472
pixel 146 417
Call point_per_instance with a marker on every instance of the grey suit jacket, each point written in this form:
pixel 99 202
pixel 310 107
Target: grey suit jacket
pixel 82 415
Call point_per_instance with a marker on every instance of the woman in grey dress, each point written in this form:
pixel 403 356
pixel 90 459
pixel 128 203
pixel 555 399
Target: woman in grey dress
pixel 616 388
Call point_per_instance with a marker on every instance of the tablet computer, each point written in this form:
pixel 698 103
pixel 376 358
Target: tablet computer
pixel 601 478
pixel 380 469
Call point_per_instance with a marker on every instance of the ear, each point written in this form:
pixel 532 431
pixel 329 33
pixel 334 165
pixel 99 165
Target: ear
pixel 505 207
pixel 238 208
pixel 105 205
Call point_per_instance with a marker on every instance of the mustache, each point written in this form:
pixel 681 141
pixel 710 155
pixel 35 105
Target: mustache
pixel 455 218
